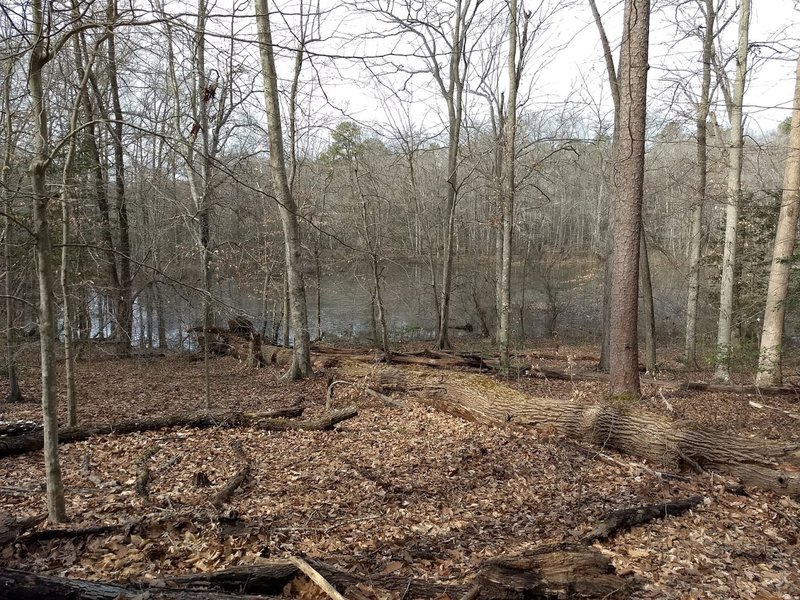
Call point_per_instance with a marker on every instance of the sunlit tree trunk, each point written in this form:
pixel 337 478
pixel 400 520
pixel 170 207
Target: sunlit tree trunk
pixel 769 363
pixel 626 206
pixel 301 358
pixel 734 190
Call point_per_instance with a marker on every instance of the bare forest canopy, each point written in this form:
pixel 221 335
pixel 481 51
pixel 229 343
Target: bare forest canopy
pixel 363 92
pixel 258 181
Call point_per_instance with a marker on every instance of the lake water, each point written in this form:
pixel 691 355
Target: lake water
pixel 571 289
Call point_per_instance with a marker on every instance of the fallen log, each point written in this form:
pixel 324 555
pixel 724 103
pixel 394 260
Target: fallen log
pixel 324 423
pixel 627 518
pixel 23 585
pixel 11 527
pixel 625 428
pixel 32 442
pixel 11 428
pixel 551 572
pixel 697 386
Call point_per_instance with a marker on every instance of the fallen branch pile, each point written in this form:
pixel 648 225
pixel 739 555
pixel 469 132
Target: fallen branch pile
pixel 624 428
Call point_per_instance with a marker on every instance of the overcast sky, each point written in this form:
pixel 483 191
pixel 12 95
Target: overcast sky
pixel 576 72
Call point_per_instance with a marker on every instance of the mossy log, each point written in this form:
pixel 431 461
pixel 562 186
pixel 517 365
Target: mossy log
pixel 621 426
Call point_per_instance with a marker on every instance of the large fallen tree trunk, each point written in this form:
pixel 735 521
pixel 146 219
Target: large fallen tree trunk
pixel 622 427
pixel 268 421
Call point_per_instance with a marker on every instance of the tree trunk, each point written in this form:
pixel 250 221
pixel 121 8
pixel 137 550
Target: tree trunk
pixel 647 305
pixel 626 205
pixel 14 394
pixel 734 190
pixel 123 305
pixel 509 185
pixel 690 346
pixel 56 508
pixel 769 362
pixel 611 72
pixel 301 362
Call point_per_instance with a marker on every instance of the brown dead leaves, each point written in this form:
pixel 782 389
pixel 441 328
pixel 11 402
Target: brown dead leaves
pixel 408 492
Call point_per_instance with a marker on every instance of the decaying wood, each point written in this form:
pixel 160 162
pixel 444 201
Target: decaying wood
pixel 324 423
pixel 23 585
pixel 79 532
pixel 33 441
pixel 10 428
pixel 241 476
pixel 383 398
pixel 625 519
pixel 656 438
pixel 11 527
pixel 269 577
pixel 316 577
pixel 551 572
pixel 143 471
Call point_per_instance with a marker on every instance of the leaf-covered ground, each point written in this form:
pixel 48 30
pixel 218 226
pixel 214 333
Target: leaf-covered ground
pixel 410 491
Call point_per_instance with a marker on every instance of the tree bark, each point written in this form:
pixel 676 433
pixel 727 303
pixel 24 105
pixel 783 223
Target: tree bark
pixel 695 244
pixel 647 306
pixel 509 185
pixel 769 362
pixel 14 394
pixel 734 190
pixel 37 172
pixel 626 207
pixel 301 360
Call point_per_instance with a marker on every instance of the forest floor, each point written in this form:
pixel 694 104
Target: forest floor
pixel 408 491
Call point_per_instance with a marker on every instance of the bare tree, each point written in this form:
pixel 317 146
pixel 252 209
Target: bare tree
pixel 733 100
pixel 644 260
pixel 42 53
pixel 626 206
pixel 703 104
pixel 301 357
pixel 517 40
pixel 769 363
pixel 14 393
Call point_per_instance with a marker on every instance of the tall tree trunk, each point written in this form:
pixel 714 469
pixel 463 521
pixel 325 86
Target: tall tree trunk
pixel 626 207
pixel 611 73
pixel 696 234
pixel 14 393
pixel 123 304
pixel 56 508
pixel 769 362
pixel 509 185
pixel 301 358
pixel 734 190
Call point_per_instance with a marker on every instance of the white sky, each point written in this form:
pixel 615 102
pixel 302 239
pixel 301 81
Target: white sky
pixel 577 72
